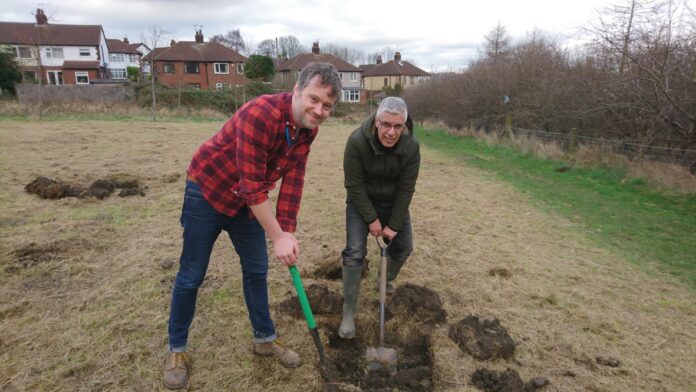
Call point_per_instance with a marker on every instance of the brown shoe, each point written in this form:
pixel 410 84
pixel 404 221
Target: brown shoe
pixel 286 357
pixel 176 370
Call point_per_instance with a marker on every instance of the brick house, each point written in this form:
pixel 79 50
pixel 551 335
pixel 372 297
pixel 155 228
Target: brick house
pixel 198 64
pixel 288 71
pixel 380 75
pixel 61 54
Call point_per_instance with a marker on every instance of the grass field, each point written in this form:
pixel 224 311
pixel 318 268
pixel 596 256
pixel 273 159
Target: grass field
pixel 85 284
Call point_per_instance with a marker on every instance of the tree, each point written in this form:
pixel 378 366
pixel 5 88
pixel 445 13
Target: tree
pixel 151 39
pixel 267 47
pixel 259 67
pixel 232 39
pixel 349 55
pixel 289 46
pixel 9 71
pixel 497 43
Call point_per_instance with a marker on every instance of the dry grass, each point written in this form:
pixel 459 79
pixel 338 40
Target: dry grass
pixel 14 108
pixel 93 316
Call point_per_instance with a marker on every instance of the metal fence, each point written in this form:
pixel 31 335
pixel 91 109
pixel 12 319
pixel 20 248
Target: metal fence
pixel 632 150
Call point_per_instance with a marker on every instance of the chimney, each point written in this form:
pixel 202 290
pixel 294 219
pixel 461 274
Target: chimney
pixel 199 36
pixel 41 18
pixel 125 40
pixel 315 47
pixel 379 59
pixel 397 56
pixel 172 43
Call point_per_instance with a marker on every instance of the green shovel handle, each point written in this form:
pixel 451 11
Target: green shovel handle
pixel 302 296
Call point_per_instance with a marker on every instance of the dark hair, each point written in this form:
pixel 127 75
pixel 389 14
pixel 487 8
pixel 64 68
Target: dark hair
pixel 328 76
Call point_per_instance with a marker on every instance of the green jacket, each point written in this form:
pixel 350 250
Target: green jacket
pixel 371 174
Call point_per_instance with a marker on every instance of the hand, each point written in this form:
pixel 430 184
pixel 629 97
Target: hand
pixel 375 228
pixel 286 248
pixel 389 233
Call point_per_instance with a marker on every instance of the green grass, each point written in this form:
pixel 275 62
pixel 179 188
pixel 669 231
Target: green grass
pixel 620 213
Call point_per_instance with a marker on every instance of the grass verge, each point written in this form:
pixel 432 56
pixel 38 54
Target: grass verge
pixel 622 213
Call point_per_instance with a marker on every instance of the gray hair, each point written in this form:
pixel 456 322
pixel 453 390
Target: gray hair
pixel 393 105
pixel 328 76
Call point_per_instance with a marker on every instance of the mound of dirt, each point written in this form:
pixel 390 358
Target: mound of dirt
pixel 507 381
pixel 483 340
pixel 321 300
pixel 51 189
pixel 414 367
pixel 416 303
pixel 333 270
pixel 33 253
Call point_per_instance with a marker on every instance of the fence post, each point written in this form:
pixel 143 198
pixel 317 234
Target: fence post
pixel 573 139
pixel 508 127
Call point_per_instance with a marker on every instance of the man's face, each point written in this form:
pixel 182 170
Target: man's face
pixel 313 105
pixel 389 128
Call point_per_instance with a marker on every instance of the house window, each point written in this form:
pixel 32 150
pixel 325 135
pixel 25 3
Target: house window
pixel 191 67
pixel 353 76
pixel 240 68
pixel 54 53
pixel 351 96
pixel 117 58
pixel 55 77
pixel 222 86
pixel 222 68
pixel 23 52
pixel 29 76
pixel 84 52
pixel 81 78
pixel 134 58
pixel 168 67
pixel 118 73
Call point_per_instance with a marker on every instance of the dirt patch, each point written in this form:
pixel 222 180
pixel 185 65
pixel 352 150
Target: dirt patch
pixel 33 253
pixel 417 304
pixel 482 339
pixel 333 270
pixel 414 368
pixel 506 381
pixel 47 188
pixel 502 272
pixel 321 301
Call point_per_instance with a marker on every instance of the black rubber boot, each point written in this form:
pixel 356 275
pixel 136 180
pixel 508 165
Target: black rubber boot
pixel 351 289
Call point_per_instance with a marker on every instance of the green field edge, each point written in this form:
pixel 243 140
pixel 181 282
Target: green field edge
pixel 619 213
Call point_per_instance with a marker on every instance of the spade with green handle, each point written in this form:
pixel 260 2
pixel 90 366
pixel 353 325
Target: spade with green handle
pixel 304 303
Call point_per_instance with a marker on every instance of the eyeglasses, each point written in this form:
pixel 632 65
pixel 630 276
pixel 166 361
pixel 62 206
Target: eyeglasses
pixel 388 125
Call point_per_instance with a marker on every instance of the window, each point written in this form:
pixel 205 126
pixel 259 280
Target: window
pixel 222 68
pixel 81 77
pixel 191 68
pixel 134 58
pixel 222 86
pixel 118 73
pixel 29 76
pixel 353 76
pixel 84 52
pixel 169 67
pixel 240 68
pixel 55 77
pixel 23 52
pixel 351 96
pixel 117 58
pixel 54 53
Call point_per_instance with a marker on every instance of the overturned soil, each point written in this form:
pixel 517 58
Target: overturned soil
pixel 47 188
pixel 333 269
pixel 349 367
pixel 417 304
pixel 506 381
pixel 482 339
pixel 321 301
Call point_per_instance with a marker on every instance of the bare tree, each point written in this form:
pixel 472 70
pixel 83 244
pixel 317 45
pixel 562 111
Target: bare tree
pixel 151 39
pixel 267 47
pixel 289 46
pixel 497 43
pixel 349 55
pixel 232 39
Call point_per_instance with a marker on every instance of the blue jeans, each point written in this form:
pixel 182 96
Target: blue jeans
pixel 357 231
pixel 202 224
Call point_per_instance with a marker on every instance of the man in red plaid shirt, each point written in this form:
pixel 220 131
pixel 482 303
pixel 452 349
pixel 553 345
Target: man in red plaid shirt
pixel 229 178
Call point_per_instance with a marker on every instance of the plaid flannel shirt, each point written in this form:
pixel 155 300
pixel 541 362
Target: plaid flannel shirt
pixel 240 164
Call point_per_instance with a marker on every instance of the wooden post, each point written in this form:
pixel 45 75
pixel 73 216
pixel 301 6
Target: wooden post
pixel 573 139
pixel 508 127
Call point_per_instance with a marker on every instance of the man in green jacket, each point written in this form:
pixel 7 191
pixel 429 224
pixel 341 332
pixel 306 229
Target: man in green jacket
pixel 381 165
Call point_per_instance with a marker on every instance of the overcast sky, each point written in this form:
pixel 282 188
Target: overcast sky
pixel 436 35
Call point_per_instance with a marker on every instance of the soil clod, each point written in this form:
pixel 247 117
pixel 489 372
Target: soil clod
pixel 482 339
pixel 608 361
pixel 416 303
pixel 506 381
pixel 502 272
pixel 321 300
pixel 47 188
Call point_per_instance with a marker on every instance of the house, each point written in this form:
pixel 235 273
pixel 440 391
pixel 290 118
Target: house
pixel 288 71
pixel 380 75
pixel 122 55
pixel 198 64
pixel 59 54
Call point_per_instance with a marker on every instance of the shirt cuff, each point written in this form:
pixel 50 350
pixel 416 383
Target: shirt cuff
pixel 287 224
